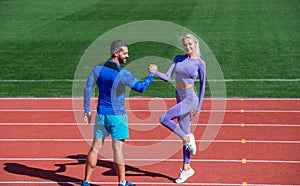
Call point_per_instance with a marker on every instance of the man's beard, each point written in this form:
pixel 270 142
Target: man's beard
pixel 121 61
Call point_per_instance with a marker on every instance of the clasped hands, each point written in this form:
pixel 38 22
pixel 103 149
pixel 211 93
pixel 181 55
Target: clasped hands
pixel 152 68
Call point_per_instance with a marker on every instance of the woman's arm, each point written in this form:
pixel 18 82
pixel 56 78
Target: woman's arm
pixel 167 76
pixel 202 76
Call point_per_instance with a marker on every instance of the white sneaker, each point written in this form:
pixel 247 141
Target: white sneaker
pixel 191 145
pixel 184 175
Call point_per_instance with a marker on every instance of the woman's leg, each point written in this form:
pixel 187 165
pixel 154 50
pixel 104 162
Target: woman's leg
pixel 185 125
pixel 167 119
pixel 187 171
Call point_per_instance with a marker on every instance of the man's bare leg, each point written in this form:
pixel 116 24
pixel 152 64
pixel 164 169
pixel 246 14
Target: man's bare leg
pixel 93 157
pixel 119 161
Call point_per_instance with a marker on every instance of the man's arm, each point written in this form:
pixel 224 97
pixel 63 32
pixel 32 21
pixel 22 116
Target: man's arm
pixel 139 86
pixel 87 96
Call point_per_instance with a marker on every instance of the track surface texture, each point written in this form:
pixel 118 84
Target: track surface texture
pixel 44 141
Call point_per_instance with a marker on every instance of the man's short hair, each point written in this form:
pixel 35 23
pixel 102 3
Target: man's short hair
pixel 116 46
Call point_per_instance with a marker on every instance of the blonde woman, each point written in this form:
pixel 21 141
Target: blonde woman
pixel 187 68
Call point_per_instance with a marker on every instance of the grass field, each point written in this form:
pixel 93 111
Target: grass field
pixel 256 42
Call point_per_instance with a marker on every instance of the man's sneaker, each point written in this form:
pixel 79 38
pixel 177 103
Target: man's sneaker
pixel 85 183
pixel 127 184
pixel 191 145
pixel 184 175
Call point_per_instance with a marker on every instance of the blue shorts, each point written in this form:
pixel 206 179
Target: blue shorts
pixel 114 125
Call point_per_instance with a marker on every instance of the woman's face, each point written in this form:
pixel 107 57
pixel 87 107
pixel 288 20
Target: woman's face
pixel 189 46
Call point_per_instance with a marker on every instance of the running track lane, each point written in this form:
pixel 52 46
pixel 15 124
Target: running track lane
pixel 252 150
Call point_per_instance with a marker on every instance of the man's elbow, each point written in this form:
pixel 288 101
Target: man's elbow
pixel 87 89
pixel 141 90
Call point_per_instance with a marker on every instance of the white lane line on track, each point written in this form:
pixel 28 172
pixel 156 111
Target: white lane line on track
pixel 70 110
pixel 149 140
pixel 142 183
pixel 146 99
pixel 150 99
pixel 157 160
pixel 150 124
pixel 155 80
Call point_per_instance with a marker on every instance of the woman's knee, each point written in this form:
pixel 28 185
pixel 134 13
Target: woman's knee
pixel 168 122
pixel 164 119
pixel 161 119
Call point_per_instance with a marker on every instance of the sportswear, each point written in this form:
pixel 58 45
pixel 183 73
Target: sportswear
pixel 127 184
pixel 191 145
pixel 184 175
pixel 187 70
pixel 85 183
pixel 114 125
pixel 111 80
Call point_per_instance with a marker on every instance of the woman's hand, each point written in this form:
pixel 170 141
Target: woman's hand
pixel 152 68
pixel 194 112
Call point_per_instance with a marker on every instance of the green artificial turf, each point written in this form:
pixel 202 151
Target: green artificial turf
pixel 43 41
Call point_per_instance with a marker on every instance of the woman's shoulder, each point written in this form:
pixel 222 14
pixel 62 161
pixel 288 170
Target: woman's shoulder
pixel 201 63
pixel 180 57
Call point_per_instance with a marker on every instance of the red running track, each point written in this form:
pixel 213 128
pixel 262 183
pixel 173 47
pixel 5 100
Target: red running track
pixel 241 142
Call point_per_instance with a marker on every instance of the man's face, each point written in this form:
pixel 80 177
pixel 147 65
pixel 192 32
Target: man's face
pixel 123 55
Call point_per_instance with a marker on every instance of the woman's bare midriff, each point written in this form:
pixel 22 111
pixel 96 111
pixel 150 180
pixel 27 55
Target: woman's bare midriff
pixel 180 84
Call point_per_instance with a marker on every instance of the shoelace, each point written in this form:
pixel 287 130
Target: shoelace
pixel 187 146
pixel 180 175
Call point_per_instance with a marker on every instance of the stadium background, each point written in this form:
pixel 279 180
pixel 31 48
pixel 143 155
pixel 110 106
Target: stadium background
pixel 255 42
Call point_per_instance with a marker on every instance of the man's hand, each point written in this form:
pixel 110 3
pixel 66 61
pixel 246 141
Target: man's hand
pixel 88 117
pixel 152 68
